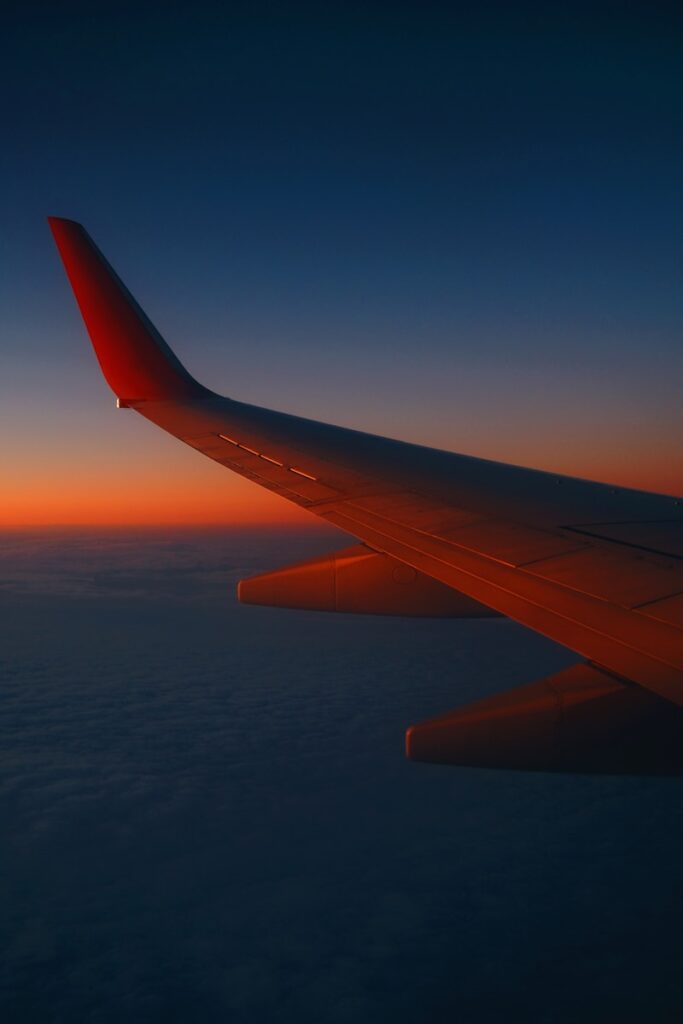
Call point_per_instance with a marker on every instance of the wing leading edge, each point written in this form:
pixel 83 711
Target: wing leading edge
pixel 596 568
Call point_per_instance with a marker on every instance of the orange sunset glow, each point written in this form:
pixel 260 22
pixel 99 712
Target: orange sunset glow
pixel 142 495
pixel 161 482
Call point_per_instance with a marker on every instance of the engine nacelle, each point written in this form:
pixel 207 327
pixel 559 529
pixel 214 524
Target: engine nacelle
pixel 358 579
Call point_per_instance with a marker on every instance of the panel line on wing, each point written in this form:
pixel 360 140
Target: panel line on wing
pixel 609 533
pixel 661 671
pixel 267 458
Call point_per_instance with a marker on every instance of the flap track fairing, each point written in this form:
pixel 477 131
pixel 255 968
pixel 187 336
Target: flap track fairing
pixel 583 719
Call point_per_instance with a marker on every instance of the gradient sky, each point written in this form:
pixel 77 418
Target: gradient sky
pixel 459 229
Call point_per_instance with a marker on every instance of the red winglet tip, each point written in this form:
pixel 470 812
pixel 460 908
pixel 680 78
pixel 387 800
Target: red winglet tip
pixel 135 360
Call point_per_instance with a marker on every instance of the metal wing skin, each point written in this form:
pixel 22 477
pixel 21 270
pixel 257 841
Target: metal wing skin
pixel 594 567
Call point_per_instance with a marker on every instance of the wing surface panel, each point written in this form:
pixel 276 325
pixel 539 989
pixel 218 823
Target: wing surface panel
pixel 512 543
pixel 669 609
pixel 663 537
pixel 622 577
pixel 645 650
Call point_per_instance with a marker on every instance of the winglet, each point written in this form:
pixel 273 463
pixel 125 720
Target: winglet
pixel 135 360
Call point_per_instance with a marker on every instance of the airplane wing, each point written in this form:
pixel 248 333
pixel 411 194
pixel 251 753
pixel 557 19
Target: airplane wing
pixel 594 567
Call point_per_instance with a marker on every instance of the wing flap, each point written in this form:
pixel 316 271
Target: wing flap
pixel 581 720
pixel 510 542
pixel 670 610
pixel 663 537
pixel 616 575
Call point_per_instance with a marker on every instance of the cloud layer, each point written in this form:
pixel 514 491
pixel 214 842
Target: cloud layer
pixel 207 814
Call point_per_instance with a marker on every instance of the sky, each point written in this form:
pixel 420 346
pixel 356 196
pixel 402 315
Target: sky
pixel 459 226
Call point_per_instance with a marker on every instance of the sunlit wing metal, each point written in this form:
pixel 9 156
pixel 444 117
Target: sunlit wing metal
pixel 594 567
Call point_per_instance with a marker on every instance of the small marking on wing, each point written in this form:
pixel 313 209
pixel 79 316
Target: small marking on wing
pixel 301 472
pixel 267 458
